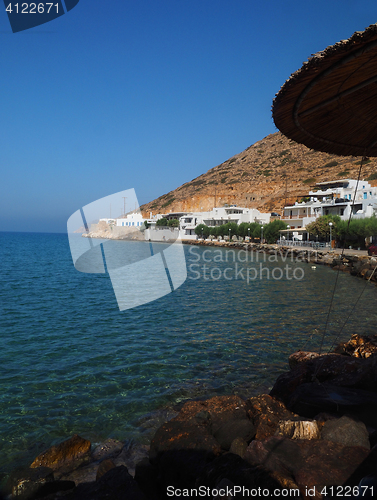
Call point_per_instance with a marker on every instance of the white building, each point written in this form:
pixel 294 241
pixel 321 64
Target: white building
pixel 132 219
pixel 333 198
pixel 219 216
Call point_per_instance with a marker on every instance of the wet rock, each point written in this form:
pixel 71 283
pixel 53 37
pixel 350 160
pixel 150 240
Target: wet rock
pixel 66 456
pixel 116 484
pixel 180 435
pixel 323 417
pixel 234 429
pixel 265 412
pixel 300 357
pixel 336 369
pixel 83 474
pixel 131 454
pixel 26 482
pixel 238 447
pixel 146 476
pixel 215 411
pixel 108 449
pixel 310 399
pixel 328 464
pixel 277 454
pixel 316 463
pixel 298 429
pixel 181 468
pixel 359 346
pixel 366 468
pixel 232 469
pixel 104 467
pixel 346 432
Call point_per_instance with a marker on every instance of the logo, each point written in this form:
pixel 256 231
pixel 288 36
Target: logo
pixel 140 271
pixel 25 15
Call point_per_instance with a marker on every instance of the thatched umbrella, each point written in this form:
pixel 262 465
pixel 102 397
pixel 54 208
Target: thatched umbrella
pixel 330 104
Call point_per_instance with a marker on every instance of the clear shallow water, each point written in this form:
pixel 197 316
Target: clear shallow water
pixel 72 363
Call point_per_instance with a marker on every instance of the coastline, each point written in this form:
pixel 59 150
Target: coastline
pixel 130 453
pixel 355 262
pixel 296 437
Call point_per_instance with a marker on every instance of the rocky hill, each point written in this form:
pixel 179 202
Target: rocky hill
pixel 267 175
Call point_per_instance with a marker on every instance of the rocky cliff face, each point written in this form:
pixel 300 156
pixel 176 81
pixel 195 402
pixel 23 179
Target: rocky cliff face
pixel 267 175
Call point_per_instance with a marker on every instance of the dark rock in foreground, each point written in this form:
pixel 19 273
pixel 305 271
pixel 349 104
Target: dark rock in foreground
pixel 314 430
pixel 66 456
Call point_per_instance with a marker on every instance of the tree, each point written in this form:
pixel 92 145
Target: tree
pixel 173 223
pixel 162 222
pixel 202 229
pixel 230 229
pixel 320 227
pixel 243 228
pixel 271 231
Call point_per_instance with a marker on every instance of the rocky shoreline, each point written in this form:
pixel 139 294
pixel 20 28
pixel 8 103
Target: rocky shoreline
pixel 314 434
pixel 362 266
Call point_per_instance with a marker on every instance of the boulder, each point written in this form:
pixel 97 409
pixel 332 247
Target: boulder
pixel 335 369
pixel 276 454
pixel 301 357
pixel 26 482
pixel 346 432
pixel 238 447
pixel 66 456
pixel 179 435
pixel 229 431
pixel 360 346
pixel 116 484
pixel 213 412
pixel 146 476
pixel 104 467
pixel 181 468
pixel 231 470
pixel 298 429
pixel 108 449
pixel 265 412
pixel 328 464
pixel 310 399
pixel 316 463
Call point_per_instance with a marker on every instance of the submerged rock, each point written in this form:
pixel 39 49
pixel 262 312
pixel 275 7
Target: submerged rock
pixel 65 456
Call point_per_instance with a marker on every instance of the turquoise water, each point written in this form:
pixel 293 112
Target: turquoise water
pixel 71 362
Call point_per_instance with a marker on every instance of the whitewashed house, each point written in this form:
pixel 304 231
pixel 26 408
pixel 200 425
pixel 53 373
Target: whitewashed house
pixel 219 216
pixel 332 198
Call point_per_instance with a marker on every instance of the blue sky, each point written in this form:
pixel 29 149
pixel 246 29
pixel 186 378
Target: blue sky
pixel 145 94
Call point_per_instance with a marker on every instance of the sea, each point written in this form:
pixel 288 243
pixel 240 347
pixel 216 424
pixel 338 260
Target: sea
pixel 72 362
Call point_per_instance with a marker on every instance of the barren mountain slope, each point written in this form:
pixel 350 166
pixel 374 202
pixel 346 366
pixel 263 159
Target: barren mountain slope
pixel 268 174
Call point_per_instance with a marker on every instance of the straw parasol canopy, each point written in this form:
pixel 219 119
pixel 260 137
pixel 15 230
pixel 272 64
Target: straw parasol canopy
pixel 330 104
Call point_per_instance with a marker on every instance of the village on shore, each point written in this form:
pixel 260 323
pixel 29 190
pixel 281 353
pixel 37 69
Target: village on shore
pixel 332 200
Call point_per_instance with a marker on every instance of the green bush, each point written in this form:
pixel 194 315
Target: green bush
pixel 162 222
pixel 202 229
pixel 330 164
pixel 372 177
pixel 311 180
pixel 344 173
pixel 173 223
